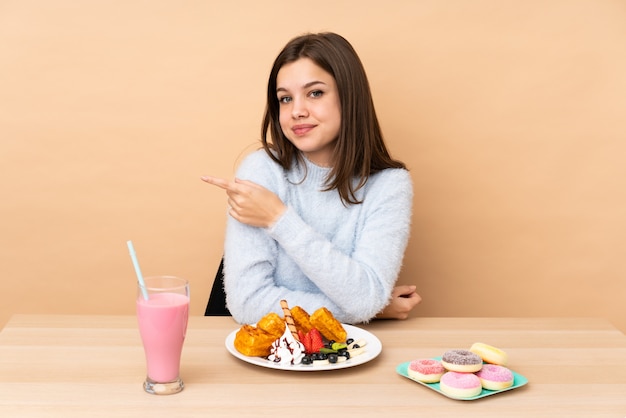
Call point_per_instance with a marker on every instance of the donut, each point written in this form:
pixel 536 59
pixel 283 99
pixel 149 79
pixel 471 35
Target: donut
pixel 460 385
pixel 463 361
pixel 489 354
pixel 495 377
pixel 426 370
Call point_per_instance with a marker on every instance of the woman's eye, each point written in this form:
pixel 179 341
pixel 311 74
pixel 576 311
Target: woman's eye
pixel 316 93
pixel 284 99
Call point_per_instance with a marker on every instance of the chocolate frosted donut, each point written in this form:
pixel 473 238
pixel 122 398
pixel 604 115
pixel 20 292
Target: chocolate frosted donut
pixel 463 361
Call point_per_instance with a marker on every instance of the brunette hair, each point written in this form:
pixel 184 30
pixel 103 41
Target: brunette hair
pixel 360 150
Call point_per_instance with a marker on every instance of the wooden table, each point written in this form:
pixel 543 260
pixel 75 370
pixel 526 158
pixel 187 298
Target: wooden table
pixel 88 366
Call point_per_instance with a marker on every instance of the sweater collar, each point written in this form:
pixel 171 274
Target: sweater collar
pixel 315 174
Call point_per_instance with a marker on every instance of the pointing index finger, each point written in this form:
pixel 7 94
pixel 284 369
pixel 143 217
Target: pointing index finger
pixel 216 181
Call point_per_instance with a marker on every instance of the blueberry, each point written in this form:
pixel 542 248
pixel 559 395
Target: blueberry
pixel 318 356
pixel 332 358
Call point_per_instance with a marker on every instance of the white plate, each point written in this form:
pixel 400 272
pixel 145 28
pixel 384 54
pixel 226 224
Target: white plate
pixel 372 350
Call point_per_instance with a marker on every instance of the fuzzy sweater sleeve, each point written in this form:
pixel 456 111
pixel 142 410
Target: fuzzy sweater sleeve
pixel 251 256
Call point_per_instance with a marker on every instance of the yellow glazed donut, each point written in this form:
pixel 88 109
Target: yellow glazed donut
pixel 489 354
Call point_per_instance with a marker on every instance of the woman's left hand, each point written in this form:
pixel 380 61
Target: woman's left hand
pixel 403 300
pixel 250 203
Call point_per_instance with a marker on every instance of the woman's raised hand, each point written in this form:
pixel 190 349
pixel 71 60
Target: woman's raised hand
pixel 248 202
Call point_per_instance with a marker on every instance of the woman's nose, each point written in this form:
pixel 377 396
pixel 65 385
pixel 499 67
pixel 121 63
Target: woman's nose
pixel 299 109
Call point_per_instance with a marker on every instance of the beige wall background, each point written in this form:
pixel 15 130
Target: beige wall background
pixel 510 115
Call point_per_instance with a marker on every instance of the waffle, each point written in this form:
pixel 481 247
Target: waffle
pixel 256 341
pixel 328 326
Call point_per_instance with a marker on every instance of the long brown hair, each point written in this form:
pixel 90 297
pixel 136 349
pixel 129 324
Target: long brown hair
pixel 360 149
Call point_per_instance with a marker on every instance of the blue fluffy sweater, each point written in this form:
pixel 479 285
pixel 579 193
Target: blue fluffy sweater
pixel 320 252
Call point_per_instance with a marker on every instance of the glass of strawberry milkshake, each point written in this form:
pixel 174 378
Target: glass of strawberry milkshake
pixel 162 313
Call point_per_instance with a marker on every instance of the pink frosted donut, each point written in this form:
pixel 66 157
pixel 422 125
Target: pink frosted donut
pixel 426 370
pixel 460 385
pixel 494 377
pixel 463 361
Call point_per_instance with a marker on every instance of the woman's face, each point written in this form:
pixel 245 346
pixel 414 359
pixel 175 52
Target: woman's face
pixel 310 112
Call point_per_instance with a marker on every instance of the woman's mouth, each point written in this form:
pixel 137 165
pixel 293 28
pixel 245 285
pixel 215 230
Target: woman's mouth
pixel 300 130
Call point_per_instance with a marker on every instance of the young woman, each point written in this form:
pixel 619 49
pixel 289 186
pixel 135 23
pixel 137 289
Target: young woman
pixel 321 215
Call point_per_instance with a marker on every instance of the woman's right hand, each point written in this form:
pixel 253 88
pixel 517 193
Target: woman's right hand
pixel 250 203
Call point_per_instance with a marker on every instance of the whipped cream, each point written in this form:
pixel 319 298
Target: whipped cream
pixel 286 349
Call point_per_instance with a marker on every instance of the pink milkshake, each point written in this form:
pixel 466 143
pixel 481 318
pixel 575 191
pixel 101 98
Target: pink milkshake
pixel 162 324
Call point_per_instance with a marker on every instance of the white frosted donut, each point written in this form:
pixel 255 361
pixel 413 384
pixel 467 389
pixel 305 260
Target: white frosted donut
pixel 489 354
pixel 494 377
pixel 426 370
pixel 460 385
pixel 463 361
